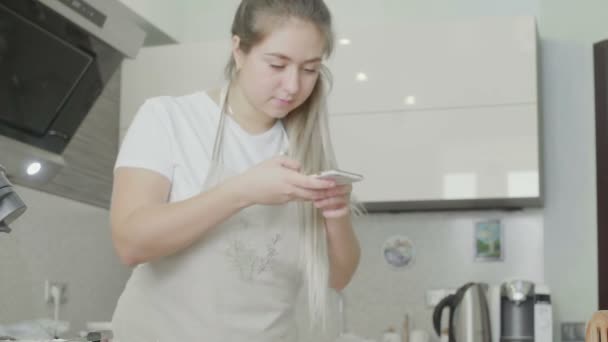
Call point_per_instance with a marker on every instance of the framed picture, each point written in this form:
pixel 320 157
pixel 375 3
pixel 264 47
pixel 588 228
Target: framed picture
pixel 488 241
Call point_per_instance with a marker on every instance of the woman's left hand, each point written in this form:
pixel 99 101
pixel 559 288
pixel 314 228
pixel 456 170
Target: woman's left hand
pixel 334 202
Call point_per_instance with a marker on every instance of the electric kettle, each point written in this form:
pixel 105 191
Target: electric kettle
pixel 469 316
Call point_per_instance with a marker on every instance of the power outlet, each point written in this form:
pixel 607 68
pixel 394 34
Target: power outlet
pixel 61 286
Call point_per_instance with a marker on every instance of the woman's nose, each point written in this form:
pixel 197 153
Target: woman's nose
pixel 291 82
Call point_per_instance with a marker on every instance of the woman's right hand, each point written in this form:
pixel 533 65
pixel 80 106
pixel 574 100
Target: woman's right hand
pixel 278 181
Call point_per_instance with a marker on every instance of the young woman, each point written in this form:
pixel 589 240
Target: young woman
pixel 214 196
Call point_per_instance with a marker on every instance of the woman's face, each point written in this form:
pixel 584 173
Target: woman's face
pixel 280 72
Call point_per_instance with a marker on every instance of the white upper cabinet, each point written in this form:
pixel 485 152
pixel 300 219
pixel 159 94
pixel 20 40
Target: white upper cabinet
pixel 477 62
pixel 439 115
pixel 417 159
pixel 434 115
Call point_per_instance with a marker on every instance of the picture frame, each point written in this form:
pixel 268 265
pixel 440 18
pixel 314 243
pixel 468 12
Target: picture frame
pixel 488 242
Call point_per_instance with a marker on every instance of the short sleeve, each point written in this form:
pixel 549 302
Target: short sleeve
pixel 148 143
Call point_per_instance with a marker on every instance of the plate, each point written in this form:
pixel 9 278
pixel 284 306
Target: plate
pixel 398 251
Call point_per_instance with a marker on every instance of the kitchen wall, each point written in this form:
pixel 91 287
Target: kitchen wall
pixel 380 295
pixel 62 240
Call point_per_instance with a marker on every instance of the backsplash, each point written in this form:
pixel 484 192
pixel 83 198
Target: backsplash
pixel 59 240
pixel 63 240
pixel 379 295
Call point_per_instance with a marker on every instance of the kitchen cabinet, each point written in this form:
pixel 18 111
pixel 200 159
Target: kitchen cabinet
pixel 442 158
pixel 439 115
pixel 446 64
pixel 435 115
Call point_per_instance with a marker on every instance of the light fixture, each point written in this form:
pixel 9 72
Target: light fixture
pixel 344 41
pixel 33 168
pixel 361 77
pixel 410 100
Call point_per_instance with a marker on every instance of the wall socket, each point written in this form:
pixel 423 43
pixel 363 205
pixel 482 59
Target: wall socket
pixel 63 291
pixel 573 331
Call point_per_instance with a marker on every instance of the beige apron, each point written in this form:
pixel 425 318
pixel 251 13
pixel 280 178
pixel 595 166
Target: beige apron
pixel 238 283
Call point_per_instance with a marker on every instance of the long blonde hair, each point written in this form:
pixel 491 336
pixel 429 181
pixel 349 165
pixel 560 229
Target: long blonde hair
pixel 307 127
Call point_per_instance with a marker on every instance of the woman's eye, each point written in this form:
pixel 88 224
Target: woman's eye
pixel 311 71
pixel 276 66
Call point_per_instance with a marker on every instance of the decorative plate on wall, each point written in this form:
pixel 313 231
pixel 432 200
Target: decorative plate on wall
pixel 398 251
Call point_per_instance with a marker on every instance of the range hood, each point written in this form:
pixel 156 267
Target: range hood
pixel 56 57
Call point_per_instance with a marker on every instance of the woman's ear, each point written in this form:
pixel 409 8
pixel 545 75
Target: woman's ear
pixel 237 53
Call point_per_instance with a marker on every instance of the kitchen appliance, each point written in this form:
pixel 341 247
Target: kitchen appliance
pixel 469 316
pixel 543 314
pixel 494 305
pixel 55 58
pixel 11 205
pixel 517 311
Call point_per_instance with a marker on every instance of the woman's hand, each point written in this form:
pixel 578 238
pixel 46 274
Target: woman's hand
pixel 335 202
pixel 278 181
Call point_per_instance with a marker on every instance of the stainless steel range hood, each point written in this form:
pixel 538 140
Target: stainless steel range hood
pixel 108 20
pixel 83 43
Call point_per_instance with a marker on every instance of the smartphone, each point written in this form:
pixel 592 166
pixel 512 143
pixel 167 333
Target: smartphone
pixel 340 177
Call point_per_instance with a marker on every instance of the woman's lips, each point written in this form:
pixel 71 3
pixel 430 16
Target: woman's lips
pixel 283 102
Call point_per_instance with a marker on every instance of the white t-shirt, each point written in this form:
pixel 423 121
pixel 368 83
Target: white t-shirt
pixel 174 136
pixel 241 281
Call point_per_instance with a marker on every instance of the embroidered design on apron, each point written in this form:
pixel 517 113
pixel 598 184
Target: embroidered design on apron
pixel 249 262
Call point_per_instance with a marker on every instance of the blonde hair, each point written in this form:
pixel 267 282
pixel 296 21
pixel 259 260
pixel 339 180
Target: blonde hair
pixel 307 127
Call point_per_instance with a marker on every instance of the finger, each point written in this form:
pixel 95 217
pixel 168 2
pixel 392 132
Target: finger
pixel 335 213
pixel 305 194
pixel 331 202
pixel 344 187
pixel 310 182
pixel 289 163
pixel 339 190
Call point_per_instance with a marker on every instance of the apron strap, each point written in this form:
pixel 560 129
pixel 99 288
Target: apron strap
pixel 219 134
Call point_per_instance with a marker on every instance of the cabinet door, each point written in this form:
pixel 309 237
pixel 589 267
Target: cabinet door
pixel 445 64
pixel 441 155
